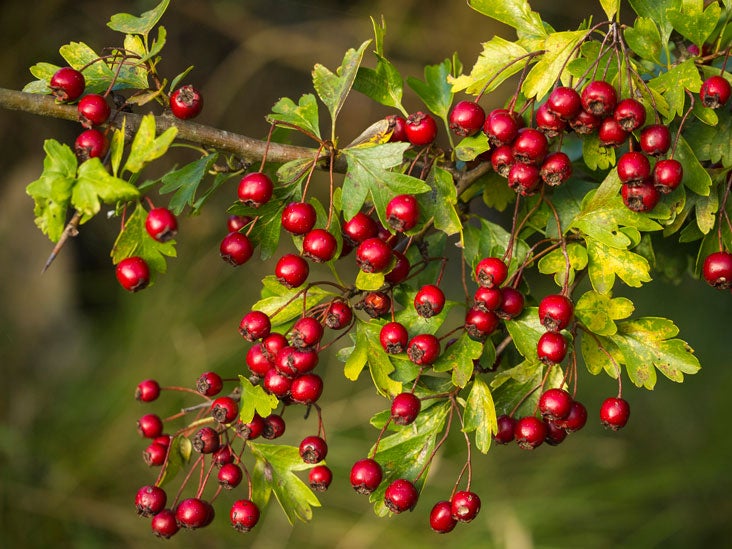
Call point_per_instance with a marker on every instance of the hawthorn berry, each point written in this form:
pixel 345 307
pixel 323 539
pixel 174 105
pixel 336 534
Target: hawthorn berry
pixel 405 408
pixel 576 418
pixel 373 255
pixel 465 505
pixel 255 325
pixel 530 432
pixel 186 102
pixel 291 361
pixel 441 519
pixel 715 92
pixel 501 127
pixel 505 432
pixel 150 426
pixel 192 513
pixel 90 144
pixel 400 496
pixel 253 429
pixel 338 315
pixel 402 212
pixel 480 324
pixel 717 270
pixel 161 224
pixel 224 409
pixel 291 270
pixel 655 139
pixel 394 338
pixel 147 390
pixel 667 175
pixel 524 178
pixel 375 304
pixel 564 102
pixel 420 128
pixel 359 228
pixel 255 189
pixel 423 349
pixel 230 476
pixel 306 389
pixel 400 271
pixel 313 449
pixel 154 454
pixel 555 404
pixel 599 98
pixel 466 118
pixel 209 384
pixel 611 133
pixel 306 332
pixel 555 435
pixel 429 301
pixel 274 427
pixel 642 197
pixel 236 249
pixel 555 312
pixel 320 478
pixel 150 500
pixel 502 159
pixel 399 133
pixel 487 299
pixel 366 475
pixel 490 272
pixel 633 168
pixel 630 114
pixel 222 456
pixel 614 413
pixel 530 146
pixel 206 440
pixel 585 123
pixel 164 524
pixel 551 348
pixel 512 303
pixel 272 344
pixel 548 122
pixel 556 168
pixel 93 110
pixel 298 218
pixel 67 84
pixel 276 383
pixel 319 245
pixel 244 515
pixel 235 223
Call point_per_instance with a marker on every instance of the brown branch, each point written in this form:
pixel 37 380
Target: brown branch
pixel 242 146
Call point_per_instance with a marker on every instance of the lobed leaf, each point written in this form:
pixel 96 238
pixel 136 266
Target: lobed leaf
pixel 459 358
pixel 184 182
pixel 493 66
pixel 480 415
pixel 254 400
pixel 146 147
pixel 95 183
pixel 303 115
pixel 124 22
pixel 558 46
pixel 435 91
pixel 515 13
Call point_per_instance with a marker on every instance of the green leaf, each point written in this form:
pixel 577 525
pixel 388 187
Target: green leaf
pixel 440 204
pixel 656 11
pixel 303 115
pixel 146 147
pixel 491 240
pixel 369 281
pixel 368 174
pixel 696 178
pixel 281 303
pixel 480 415
pixel 368 350
pixel 275 467
pixel 496 193
pixel 599 353
pixel 134 240
pixel 526 331
pixel 459 358
pixel 610 7
pixel 435 91
pixel 645 39
pixel 493 65
pixel 51 192
pixel 408 450
pixel 672 85
pixel 606 262
pixel 178 455
pixel 117 147
pixel 706 208
pixel 515 13
pixel 413 322
pixel 334 88
pixel 712 143
pixel 130 24
pixel 470 147
pixel 556 264
pixel 93 183
pixel 511 387
pixel 591 62
pixel 693 21
pixel 383 84
pixel 558 46
pixel 184 182
pixel 98 75
pixel 254 399
pixel 598 312
pixel 595 154
pixel 650 341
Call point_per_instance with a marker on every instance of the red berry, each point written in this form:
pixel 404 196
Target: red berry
pixel 258 362
pixel 209 384
pixel 93 110
pixel 480 324
pixel 429 301
pixel 466 118
pixel 244 515
pixel 319 245
pixel 611 133
pixel 276 383
pixel 487 299
pixel 405 408
pixel 255 325
pixel 366 475
pixel 502 159
pixel 206 440
pixel 359 228
pixel 150 500
pixel 399 133
pixel 548 122
pixel 394 338
pixel 373 255
pixel 253 429
pixel 298 217
pixel 667 175
pixel 306 389
pixel 576 418
pixel 465 505
pixel 556 312
pixel 255 189
pixel 423 349
pixel 313 449
pixel 306 332
pixel 291 361
pixel 506 429
pixel 599 98
pixel 222 456
pixel 524 178
pixel 530 432
pixel 530 146
pixel 292 270
pixel 230 476
pixel 556 168
pixel 655 139
pixel 274 427
pixel 90 144
pixel 614 413
pixel 421 129
pixel 633 168
pixel 272 344
pixel 161 224
pixel 640 198
pixel 555 435
pixel 490 272
pixel 224 409
pixel 555 404
pixel 147 390
pixel 235 223
pixel 551 348
pixel 236 249
pixel 441 519
pixel 338 315
pixel 630 114
pixel 186 102
pixel 585 123
pixel 320 478
pixel 400 271
pixel 402 212
pixel 501 127
pixel 715 92
pixel 154 455
pixel 564 102
pixel 375 304
pixel 150 426
pixel 164 525
pixel 717 270
pixel 67 84
pixel 512 304
pixel 192 513
pixel 401 495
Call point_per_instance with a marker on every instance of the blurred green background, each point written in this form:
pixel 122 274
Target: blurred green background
pixel 73 345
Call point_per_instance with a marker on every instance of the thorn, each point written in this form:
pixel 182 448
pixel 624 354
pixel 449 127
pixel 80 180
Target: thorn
pixel 71 230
